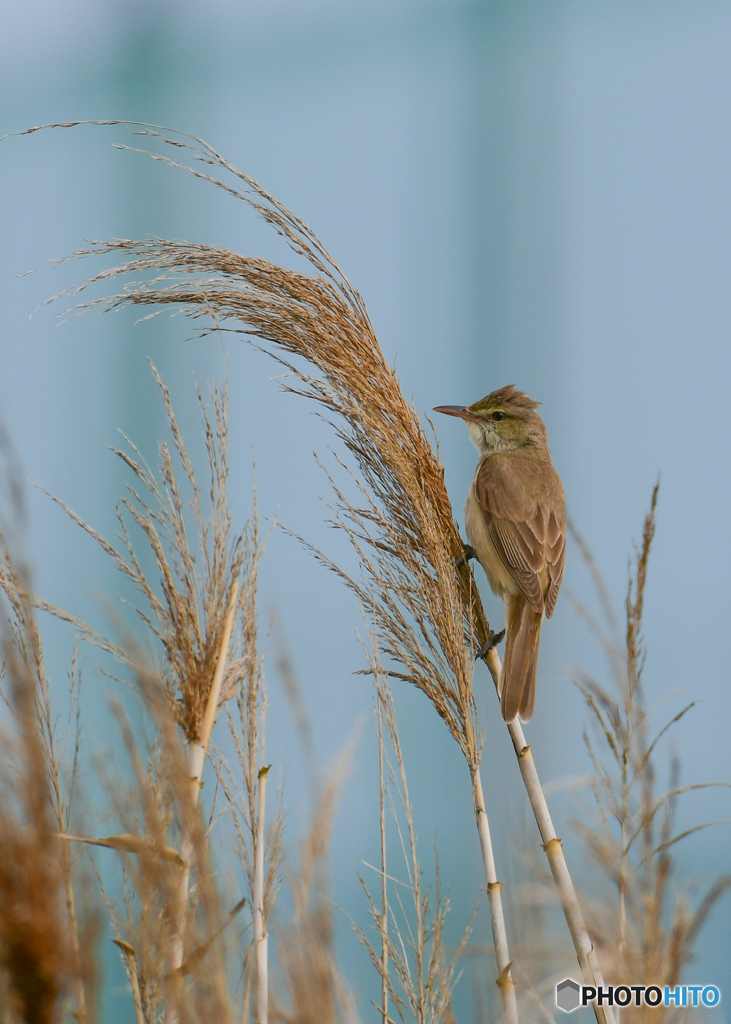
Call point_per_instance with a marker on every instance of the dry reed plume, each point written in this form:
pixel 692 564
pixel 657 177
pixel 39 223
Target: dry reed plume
pixel 35 958
pixel 429 613
pixel 42 972
pixel 206 622
pixel 178 944
pixel 645 928
pixel 202 611
pixel 185 608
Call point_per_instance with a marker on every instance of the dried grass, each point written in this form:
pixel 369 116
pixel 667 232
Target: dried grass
pixel 430 619
pixel 185 607
pixel 38 939
pixel 35 953
pixel 316 992
pixel 647 927
pixel 417 971
pixel 44 926
pixel 162 839
pixel 155 810
pixel 169 921
pixel 260 849
pixel 312 989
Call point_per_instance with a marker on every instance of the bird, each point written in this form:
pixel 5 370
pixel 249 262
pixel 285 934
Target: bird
pixel 515 519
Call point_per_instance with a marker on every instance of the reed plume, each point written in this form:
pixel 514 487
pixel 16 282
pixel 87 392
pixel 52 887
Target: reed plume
pixel 185 607
pixel 201 609
pixel 645 927
pixel 39 936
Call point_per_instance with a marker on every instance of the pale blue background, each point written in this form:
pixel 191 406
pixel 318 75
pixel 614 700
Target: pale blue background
pixel 525 192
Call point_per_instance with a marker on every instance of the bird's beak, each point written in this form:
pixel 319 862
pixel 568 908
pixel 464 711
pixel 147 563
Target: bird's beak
pixel 455 410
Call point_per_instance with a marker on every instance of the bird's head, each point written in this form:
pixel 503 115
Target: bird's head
pixel 505 419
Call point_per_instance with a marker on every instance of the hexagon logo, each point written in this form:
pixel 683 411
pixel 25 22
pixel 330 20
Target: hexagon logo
pixel 567 995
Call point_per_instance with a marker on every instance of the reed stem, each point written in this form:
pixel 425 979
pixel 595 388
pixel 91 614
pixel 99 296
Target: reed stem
pixel 497 918
pixel 384 889
pixel 554 852
pixel 197 751
pixel 134 981
pixel 261 937
pixel 74 935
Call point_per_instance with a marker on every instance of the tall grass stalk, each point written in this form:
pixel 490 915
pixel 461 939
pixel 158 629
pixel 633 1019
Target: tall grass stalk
pixel 497 919
pixel 553 848
pixel 316 992
pixel 156 806
pixel 197 750
pixel 418 974
pixel 260 931
pixel 202 612
pixel 259 848
pixel 37 967
pixel 647 928
pixel 384 866
pixel 42 789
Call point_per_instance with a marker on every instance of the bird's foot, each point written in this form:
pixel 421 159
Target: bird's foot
pixel 469 552
pixel 492 641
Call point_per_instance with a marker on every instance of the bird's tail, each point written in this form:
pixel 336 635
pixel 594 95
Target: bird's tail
pixel 518 676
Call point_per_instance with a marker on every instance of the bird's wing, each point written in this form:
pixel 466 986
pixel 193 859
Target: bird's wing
pixel 524 511
pixel 555 557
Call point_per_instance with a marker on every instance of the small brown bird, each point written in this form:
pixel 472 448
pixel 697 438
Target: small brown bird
pixel 515 517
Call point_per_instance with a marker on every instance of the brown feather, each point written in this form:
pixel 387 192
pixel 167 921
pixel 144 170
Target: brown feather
pixel 526 520
pixel 556 561
pixel 518 676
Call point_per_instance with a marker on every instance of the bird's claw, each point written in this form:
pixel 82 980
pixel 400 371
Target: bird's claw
pixel 492 641
pixel 469 552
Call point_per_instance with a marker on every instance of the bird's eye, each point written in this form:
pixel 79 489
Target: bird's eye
pixel 498 415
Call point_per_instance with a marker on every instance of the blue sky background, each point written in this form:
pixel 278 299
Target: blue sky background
pixel 525 192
